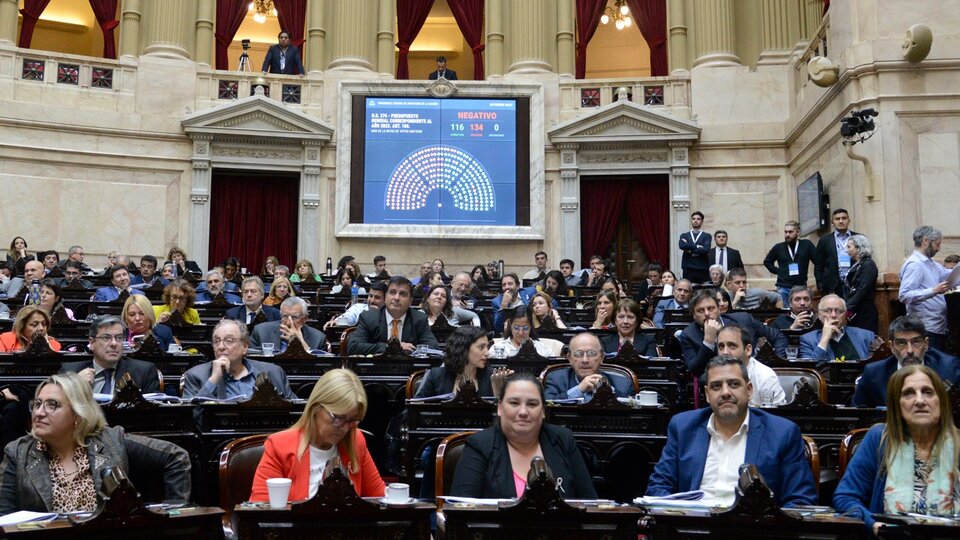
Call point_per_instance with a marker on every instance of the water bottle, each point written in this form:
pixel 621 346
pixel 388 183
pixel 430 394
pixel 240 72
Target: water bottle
pixel 34 299
pixel 354 293
pixel 329 266
pixel 500 268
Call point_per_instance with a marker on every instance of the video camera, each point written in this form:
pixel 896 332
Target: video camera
pixel 245 43
pixel 858 122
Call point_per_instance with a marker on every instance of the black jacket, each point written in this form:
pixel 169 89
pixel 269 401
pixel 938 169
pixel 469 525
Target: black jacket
pixel 733 257
pixel 778 262
pixel 861 287
pixel 143 373
pixel 826 267
pixel 440 380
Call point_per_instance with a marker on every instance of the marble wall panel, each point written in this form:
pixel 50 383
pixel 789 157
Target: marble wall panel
pixel 939 161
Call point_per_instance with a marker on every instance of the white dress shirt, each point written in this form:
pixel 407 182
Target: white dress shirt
pixel 721 471
pixel 766 385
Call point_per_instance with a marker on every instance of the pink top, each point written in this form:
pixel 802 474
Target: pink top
pixel 520 483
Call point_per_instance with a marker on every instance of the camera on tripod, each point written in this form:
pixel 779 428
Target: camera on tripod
pixel 245 43
pixel 858 122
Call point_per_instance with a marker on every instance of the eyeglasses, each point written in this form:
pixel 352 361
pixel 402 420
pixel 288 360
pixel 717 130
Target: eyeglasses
pixel 293 316
pixel 832 311
pixel 340 421
pixel 50 406
pixel 521 328
pixel 229 342
pixel 107 339
pixel 589 353
pixel 177 297
pixel 901 343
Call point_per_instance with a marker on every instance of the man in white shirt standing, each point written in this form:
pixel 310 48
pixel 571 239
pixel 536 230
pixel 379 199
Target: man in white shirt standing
pixel 923 281
pixel 706 447
pixel 737 341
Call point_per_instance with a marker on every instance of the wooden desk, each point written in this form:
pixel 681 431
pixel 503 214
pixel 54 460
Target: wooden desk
pixel 482 522
pixel 193 524
pixel 375 520
pixel 906 527
pixel 670 524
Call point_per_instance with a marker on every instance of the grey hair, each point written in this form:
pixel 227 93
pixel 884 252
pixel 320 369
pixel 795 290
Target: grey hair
pixel 925 231
pixel 862 245
pixel 716 267
pixel 838 297
pixel 74 249
pixel 212 272
pixel 244 333
pixel 296 301
pixel 255 280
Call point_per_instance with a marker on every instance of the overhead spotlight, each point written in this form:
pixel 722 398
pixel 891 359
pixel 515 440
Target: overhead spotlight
pixel 917 43
pixel 822 71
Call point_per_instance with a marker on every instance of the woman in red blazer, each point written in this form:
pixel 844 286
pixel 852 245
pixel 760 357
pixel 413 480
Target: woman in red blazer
pixel 327 427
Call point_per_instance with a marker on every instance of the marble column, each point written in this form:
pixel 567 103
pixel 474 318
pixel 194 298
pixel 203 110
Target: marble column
pixel 528 46
pixel 493 53
pixel 386 59
pixel 167 23
pixel 310 222
pixel 812 17
pixel 316 35
pixel 130 13
pixel 200 199
pixel 569 202
pixel 566 43
pixel 354 24
pixel 8 20
pixel 677 40
pixel 679 199
pixel 715 33
pixel 779 30
pixel 204 33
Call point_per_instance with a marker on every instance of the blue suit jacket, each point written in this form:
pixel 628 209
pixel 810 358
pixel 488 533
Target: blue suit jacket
pixel 109 294
pixel 669 304
pixel 292 66
pixel 560 380
pixel 239 313
pixel 204 296
pixel 872 385
pixel 774 445
pixel 861 342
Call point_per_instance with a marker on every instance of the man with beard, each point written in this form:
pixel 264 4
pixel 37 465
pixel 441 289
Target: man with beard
pixel 923 281
pixel 706 447
pixel 910 346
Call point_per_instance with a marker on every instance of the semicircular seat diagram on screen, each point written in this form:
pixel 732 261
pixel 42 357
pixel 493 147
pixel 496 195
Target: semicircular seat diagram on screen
pixel 440 162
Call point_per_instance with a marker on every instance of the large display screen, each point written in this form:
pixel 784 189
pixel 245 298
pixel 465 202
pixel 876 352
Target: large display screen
pixel 441 162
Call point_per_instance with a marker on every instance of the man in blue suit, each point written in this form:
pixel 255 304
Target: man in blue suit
pixel 120 281
pixel 836 339
pixel 583 377
pixel 283 58
pixel 706 447
pixel 910 346
pixel 699 339
pixel 252 309
pixel 681 300
pixel 215 287
pixel 695 246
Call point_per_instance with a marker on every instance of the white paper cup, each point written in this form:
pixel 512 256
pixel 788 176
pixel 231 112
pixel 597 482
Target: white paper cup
pixel 647 398
pixel 174 348
pixel 398 493
pixel 279 491
pixel 267 349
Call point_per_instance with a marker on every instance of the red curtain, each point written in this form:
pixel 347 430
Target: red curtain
pixel 648 206
pixel 411 14
pixel 230 14
pixel 601 203
pixel 293 19
pixel 106 11
pixel 469 16
pixel 253 216
pixel 31 14
pixel 651 17
pixel 588 17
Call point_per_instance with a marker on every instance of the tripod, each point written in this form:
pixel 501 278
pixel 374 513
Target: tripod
pixel 244 62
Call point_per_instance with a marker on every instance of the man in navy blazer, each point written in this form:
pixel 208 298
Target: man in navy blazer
pixel 700 442
pixel 699 339
pixel 252 290
pixel 836 339
pixel 108 366
pixel 396 319
pixel 291 326
pixel 695 246
pixel 120 281
pixel 584 376
pixel 910 346
pixel 282 57
pixel 681 300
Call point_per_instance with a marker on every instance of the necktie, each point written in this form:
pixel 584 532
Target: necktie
pixel 720 262
pixel 250 317
pixel 395 329
pixel 107 382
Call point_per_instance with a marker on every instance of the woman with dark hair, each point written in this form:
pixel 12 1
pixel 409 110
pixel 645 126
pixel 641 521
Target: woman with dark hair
pixel 231 270
pixel 910 462
pixel 861 283
pixel 723 301
pixel 464 359
pixel 540 307
pixel 345 285
pixel 181 264
pixel 614 285
pixel 438 268
pixel 427 283
pixel 30 321
pixel 177 296
pixel 555 285
pixel 51 299
pixel 603 309
pixel 437 304
pixel 479 275
pixel 269 265
pixel 496 461
pixel 518 328
pixel 17 256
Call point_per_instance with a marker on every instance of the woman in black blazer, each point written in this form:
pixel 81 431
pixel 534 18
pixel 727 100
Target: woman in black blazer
pixel 464 356
pixel 496 461
pixel 861 284
pixel 627 322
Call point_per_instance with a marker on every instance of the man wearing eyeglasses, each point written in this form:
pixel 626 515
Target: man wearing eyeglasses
pixel 73 273
pixel 231 375
pixel 291 326
pixel 583 377
pixel 215 287
pixel 910 346
pixel 836 340
pixel 108 366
